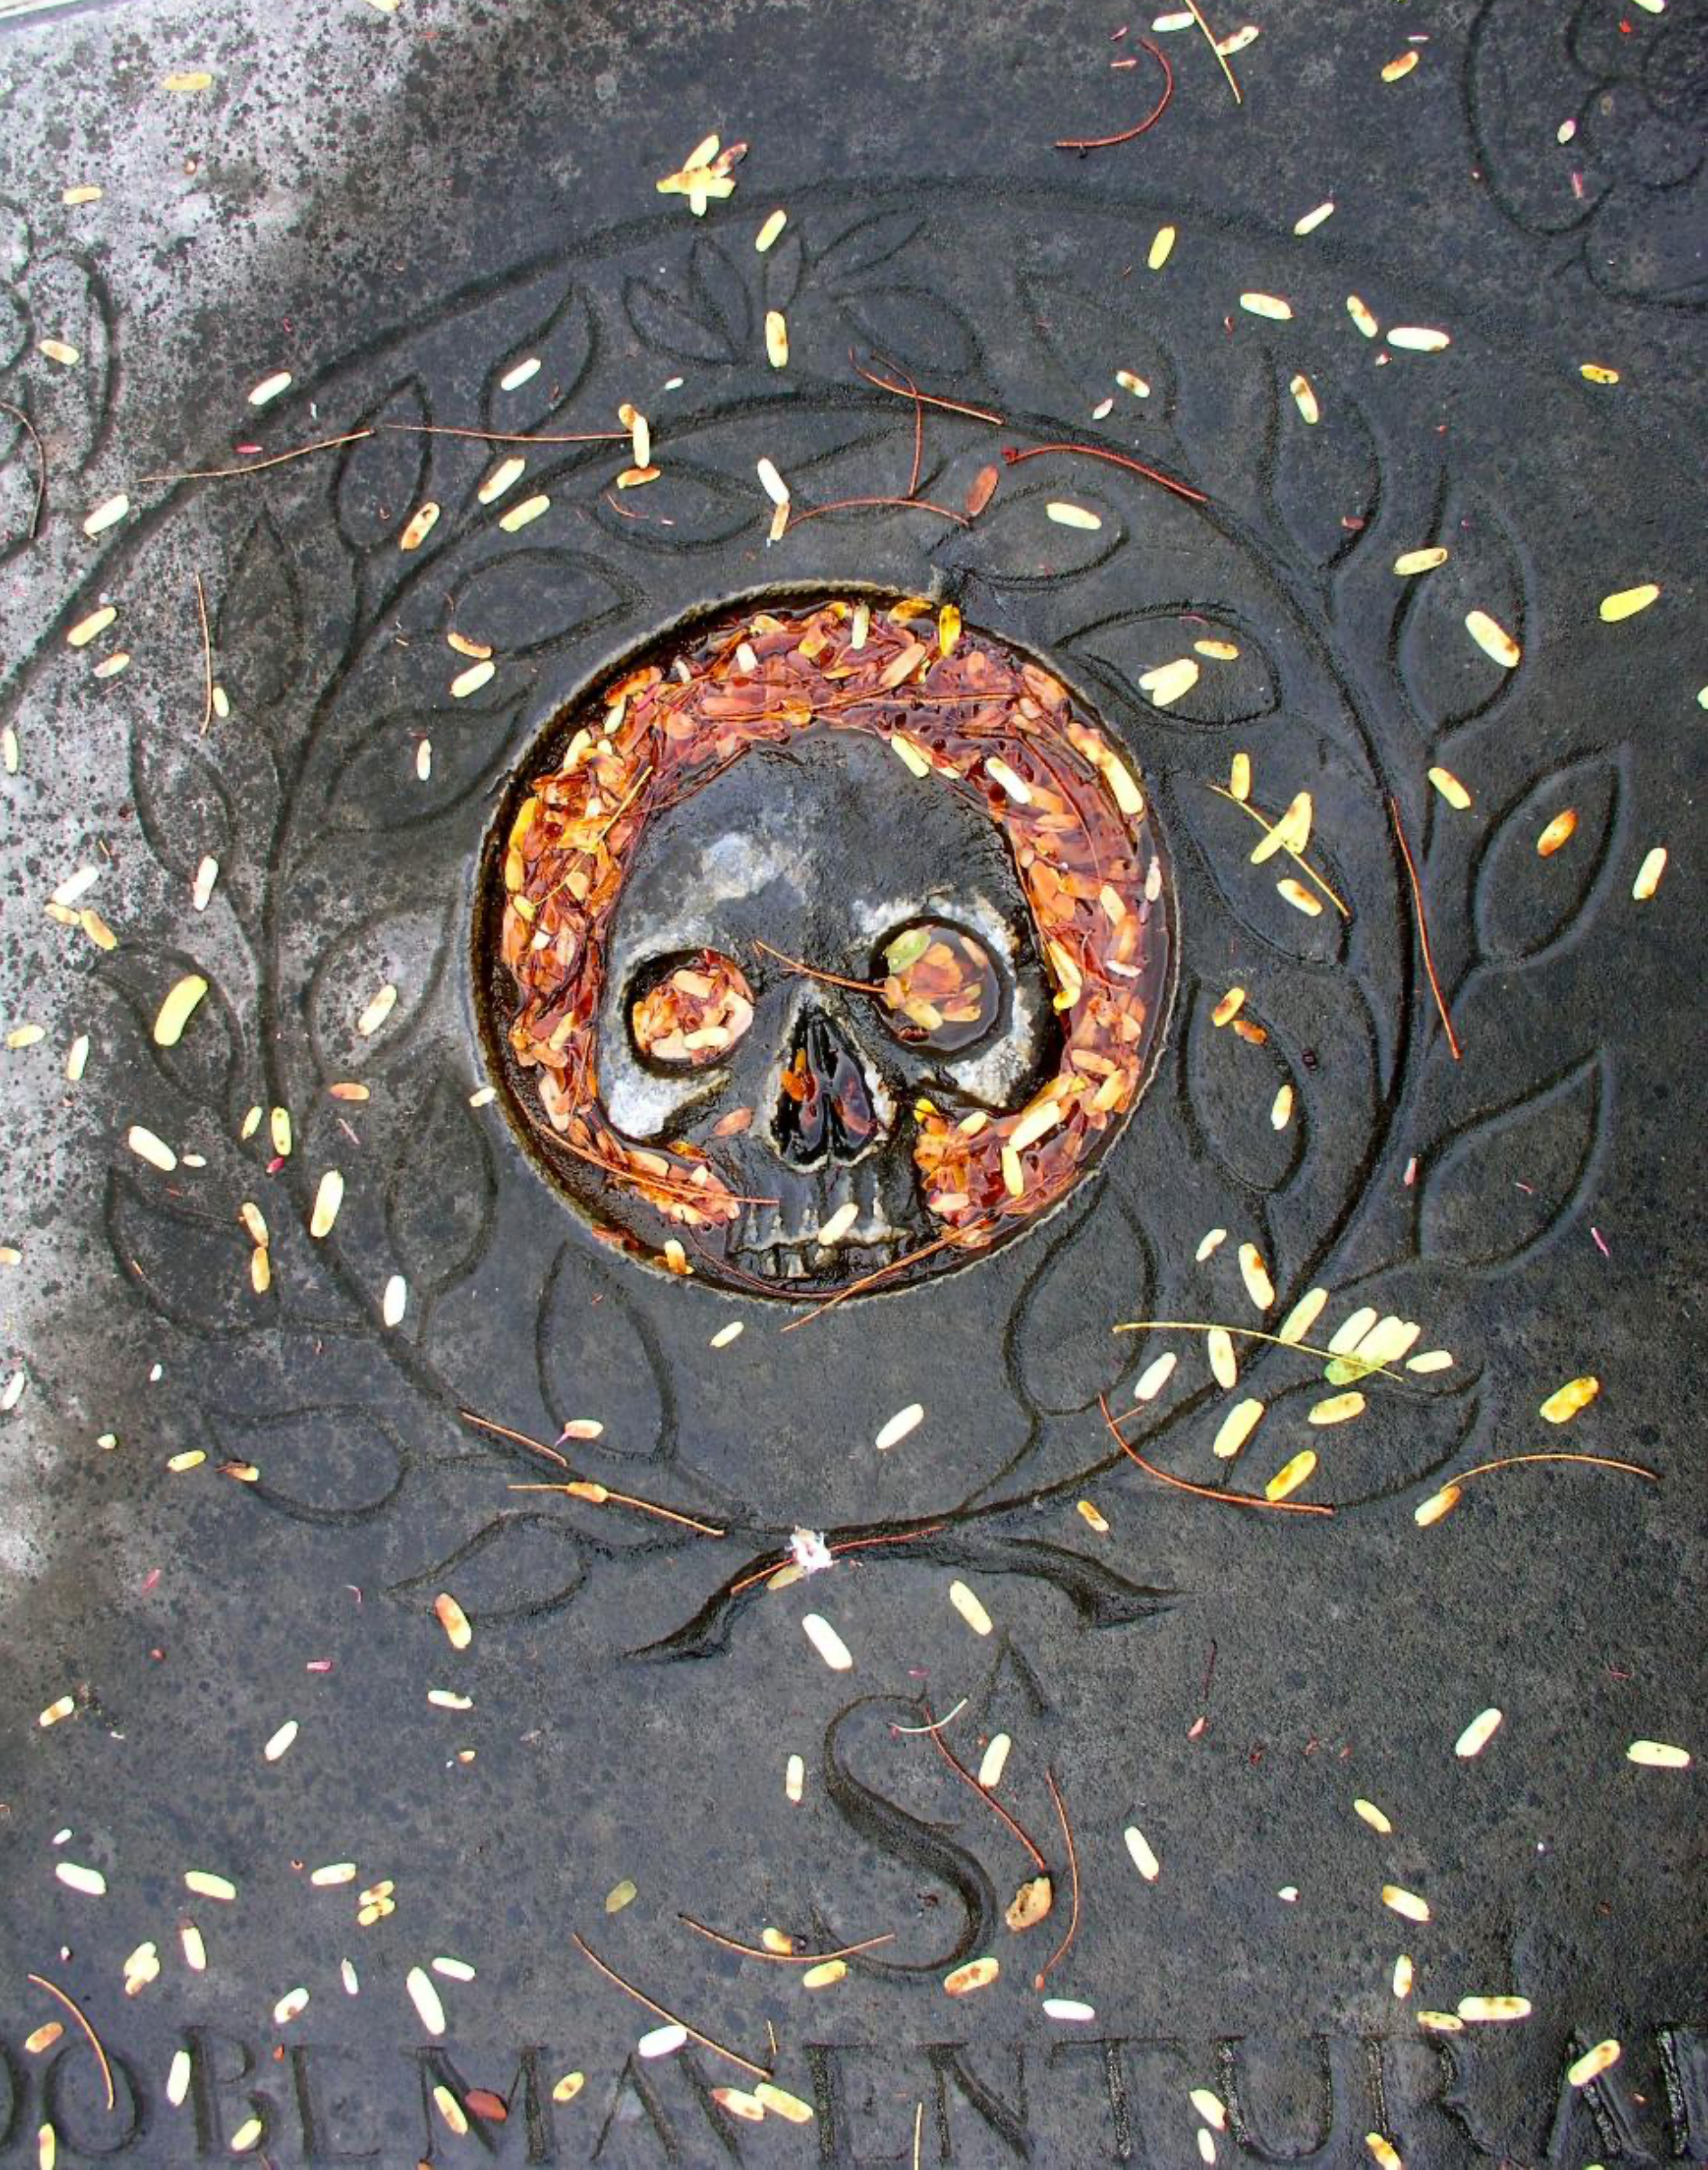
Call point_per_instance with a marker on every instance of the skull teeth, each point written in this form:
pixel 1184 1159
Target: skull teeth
pixel 846 1228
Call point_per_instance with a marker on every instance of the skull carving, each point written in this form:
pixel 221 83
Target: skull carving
pixel 835 953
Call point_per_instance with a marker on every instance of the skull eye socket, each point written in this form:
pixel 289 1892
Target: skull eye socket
pixel 693 1012
pixel 941 990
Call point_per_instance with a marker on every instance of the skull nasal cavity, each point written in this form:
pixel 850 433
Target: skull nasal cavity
pixel 824 1111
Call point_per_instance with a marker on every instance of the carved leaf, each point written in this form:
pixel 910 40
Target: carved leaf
pixel 1241 690
pixel 519 1567
pixel 15 328
pixel 598 1359
pixel 1230 1089
pixel 722 287
pixel 707 318
pixel 1326 474
pixel 379 783
pixel 1224 837
pixel 443 1192
pixel 203 1063
pixel 691 507
pixel 184 807
pixel 783 267
pixel 334 1465
pixel 1064 1353
pixel 1526 905
pixel 867 243
pixel 1471 1211
pixel 915 327
pixel 70 406
pixel 822 457
pixel 1515 82
pixel 1448 678
pixel 536 599
pixel 382 479
pixel 188 1266
pixel 1088 341
pixel 404 949
pixel 258 628
pixel 1016 545
pixel 674 323
pixel 562 345
pixel 19 473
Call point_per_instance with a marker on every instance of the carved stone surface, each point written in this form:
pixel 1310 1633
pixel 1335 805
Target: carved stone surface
pixel 239 1496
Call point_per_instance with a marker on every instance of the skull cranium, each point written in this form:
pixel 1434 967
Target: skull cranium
pixel 828 853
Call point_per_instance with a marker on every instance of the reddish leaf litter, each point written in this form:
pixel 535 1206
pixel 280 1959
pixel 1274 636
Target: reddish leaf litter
pixel 962 715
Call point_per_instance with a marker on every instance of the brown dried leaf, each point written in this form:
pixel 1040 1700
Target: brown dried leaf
pixel 1031 1903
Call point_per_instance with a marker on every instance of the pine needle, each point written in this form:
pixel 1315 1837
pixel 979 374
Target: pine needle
pixel 1072 1929
pixel 1203 1491
pixel 693 2033
pixel 1215 47
pixel 1252 1333
pixel 1599 1462
pixel 253 467
pixel 754 1951
pixel 81 2018
pixel 22 419
pixel 207 656
pixel 911 391
pixel 1423 930
pixel 986 1796
pixel 1268 827
pixel 446 428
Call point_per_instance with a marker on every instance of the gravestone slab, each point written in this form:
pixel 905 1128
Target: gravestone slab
pixel 849 1084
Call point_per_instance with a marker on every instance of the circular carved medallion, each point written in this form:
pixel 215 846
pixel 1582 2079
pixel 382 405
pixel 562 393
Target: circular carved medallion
pixel 823 948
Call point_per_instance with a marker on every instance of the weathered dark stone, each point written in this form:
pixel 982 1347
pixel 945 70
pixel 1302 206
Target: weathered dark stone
pixel 400 209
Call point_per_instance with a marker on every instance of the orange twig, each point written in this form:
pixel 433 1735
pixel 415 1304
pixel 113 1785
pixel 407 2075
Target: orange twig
pixel 253 467
pixel 445 429
pixel 753 1951
pixel 19 417
pixel 931 399
pixel 1060 1951
pixel 81 2018
pixel 1103 143
pixel 902 1536
pixel 919 440
pixel 985 1795
pixel 694 2034
pixel 909 504
pixel 760 1575
pixel 835 979
pixel 584 1488
pixel 207 656
pixel 521 1438
pixel 1093 451
pixel 1423 929
pixel 1599 1462
pixel 1204 1492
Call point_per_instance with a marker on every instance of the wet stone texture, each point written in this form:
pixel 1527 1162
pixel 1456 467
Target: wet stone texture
pixel 334 1769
